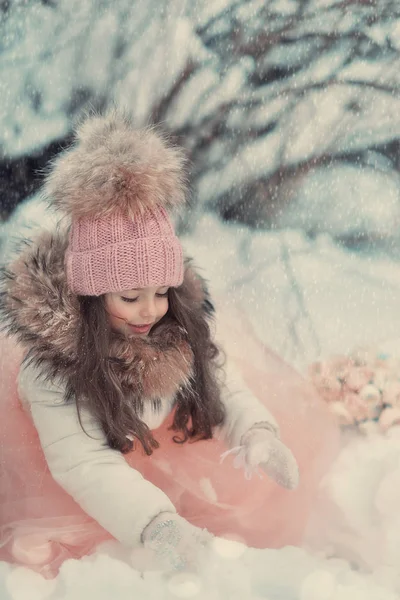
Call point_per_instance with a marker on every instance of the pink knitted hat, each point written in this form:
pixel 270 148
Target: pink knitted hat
pixel 116 183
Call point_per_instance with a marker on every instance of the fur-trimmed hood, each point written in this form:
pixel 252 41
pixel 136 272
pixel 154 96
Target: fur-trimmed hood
pixel 38 308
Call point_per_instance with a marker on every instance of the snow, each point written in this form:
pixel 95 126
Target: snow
pixel 53 58
pixel 237 575
pixel 206 11
pixel 256 158
pixel 158 51
pixel 283 7
pixel 307 298
pixel 250 90
pixel 365 70
pixel 395 34
pixel 259 116
pixel 364 527
pixel 346 202
pixel 321 122
pixel 198 87
pixel 30 78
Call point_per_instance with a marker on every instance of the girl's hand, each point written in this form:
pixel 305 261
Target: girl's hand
pixel 260 447
pixel 176 543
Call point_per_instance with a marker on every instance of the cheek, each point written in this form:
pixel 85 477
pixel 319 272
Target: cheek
pixel 118 312
pixel 129 312
pixel 163 309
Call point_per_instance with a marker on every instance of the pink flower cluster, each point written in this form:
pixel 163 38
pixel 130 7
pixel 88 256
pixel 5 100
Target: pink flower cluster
pixel 362 389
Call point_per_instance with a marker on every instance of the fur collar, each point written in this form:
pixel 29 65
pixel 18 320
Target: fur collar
pixel 38 308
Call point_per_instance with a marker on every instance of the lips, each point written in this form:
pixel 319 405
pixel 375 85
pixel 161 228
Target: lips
pixel 141 328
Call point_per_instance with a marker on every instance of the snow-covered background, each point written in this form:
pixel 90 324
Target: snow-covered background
pixel 290 112
pixel 287 107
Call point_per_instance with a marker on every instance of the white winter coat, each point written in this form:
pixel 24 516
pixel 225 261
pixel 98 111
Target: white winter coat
pixel 98 477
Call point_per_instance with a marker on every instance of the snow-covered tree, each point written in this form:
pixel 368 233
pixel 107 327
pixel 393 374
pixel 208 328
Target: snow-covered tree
pixel 284 105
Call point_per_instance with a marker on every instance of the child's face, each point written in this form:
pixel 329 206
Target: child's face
pixel 135 312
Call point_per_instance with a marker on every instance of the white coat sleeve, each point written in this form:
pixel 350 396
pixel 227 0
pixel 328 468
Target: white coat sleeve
pixel 96 476
pixel 243 409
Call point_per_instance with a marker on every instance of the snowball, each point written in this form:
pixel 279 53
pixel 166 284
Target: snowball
pixel 319 585
pixel 229 548
pixel 23 583
pixel 184 585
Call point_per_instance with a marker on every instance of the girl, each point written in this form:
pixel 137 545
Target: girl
pixel 115 421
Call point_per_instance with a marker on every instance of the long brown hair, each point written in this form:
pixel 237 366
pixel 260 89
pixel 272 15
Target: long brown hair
pixel 198 406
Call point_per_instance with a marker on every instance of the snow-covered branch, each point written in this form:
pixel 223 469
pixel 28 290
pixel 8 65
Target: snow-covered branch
pixel 264 95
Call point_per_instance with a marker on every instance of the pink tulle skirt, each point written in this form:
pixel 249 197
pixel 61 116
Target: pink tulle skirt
pixel 41 525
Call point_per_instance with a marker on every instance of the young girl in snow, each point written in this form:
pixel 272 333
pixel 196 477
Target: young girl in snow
pixel 117 418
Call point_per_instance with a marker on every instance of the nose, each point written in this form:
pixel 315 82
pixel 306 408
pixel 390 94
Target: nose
pixel 148 310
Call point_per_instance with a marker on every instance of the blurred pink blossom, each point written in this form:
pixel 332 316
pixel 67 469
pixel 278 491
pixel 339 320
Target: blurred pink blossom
pixel 391 393
pixel 361 388
pixel 389 417
pixel 358 377
pixel 357 408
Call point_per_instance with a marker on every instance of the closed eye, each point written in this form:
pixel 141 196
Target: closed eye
pixel 124 299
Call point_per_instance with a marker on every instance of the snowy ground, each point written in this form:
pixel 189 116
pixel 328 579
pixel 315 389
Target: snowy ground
pixel 306 299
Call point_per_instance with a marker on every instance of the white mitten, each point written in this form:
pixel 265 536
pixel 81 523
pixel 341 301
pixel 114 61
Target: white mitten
pixel 175 542
pixel 260 447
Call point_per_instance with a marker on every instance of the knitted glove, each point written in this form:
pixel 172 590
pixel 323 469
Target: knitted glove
pixel 176 543
pixel 260 447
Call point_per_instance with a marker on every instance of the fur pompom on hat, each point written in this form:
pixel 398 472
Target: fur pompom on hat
pixel 117 184
pixel 113 166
